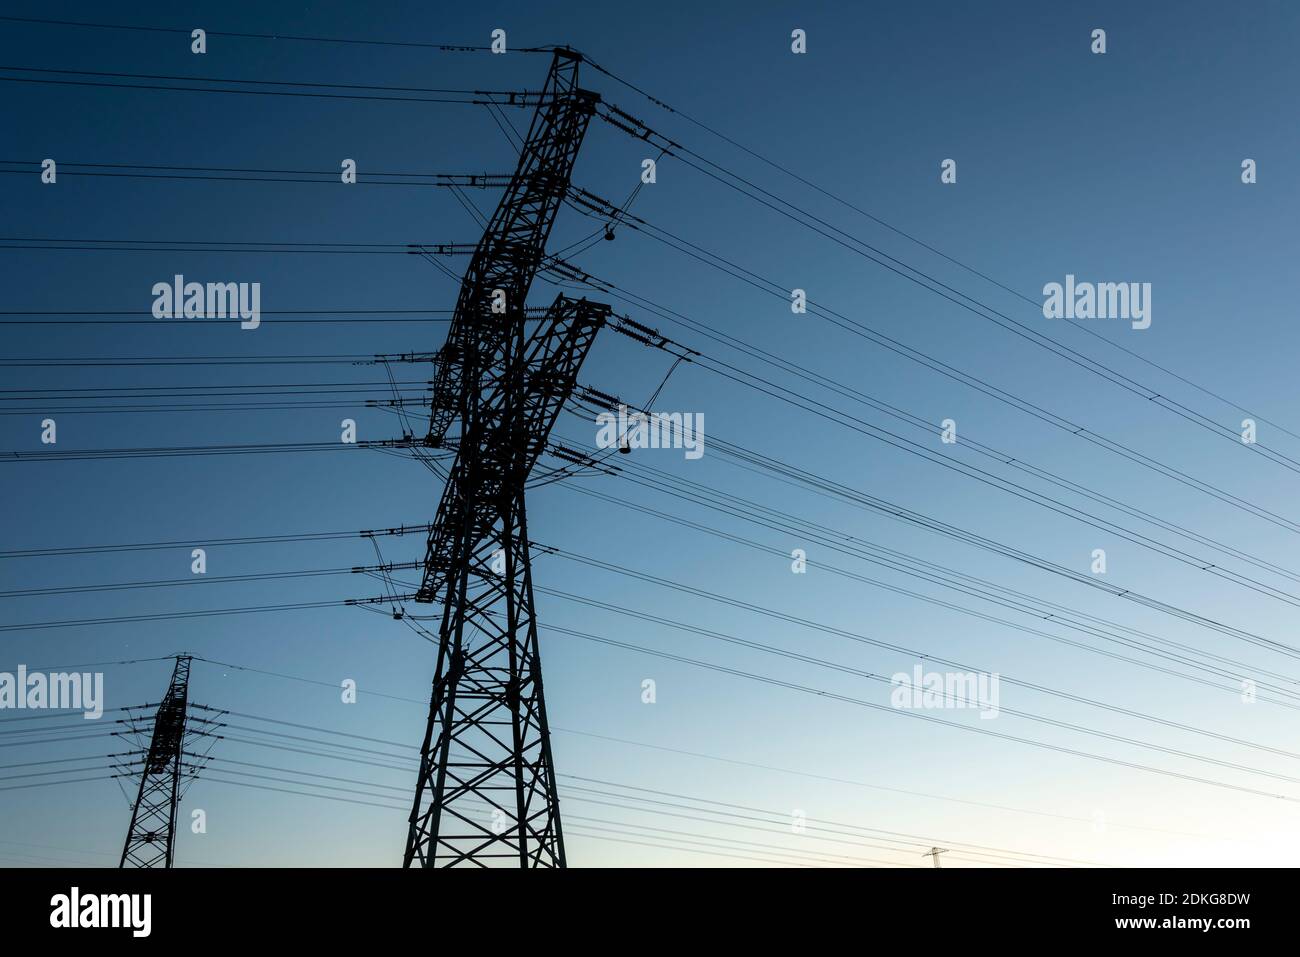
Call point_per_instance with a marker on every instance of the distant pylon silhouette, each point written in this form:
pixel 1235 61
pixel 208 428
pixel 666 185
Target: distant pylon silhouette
pixel 151 837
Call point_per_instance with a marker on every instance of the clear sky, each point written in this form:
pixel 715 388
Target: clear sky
pixel 1121 167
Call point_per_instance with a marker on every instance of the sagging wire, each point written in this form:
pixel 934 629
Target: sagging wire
pixel 504 124
pixel 407 431
pixel 381 571
pixel 469 206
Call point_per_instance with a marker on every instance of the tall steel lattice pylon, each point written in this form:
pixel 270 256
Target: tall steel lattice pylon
pixel 151 838
pixel 486 792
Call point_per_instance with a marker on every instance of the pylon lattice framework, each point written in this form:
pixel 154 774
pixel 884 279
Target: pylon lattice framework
pixel 151 837
pixel 486 791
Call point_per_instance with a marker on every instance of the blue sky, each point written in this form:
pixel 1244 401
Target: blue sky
pixel 1121 167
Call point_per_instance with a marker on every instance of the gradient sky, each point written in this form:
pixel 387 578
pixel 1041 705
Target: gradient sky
pixel 1122 167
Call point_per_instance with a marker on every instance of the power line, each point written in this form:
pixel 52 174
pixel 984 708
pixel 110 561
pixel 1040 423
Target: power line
pixel 919 715
pixel 920 357
pixel 839 417
pixel 728 810
pixel 954 532
pixel 381 405
pixel 1286 695
pixel 182 615
pixel 1011 599
pixel 333 686
pixel 515 98
pixel 35 244
pixel 783 521
pixel 212 541
pixel 899 649
pixel 934 719
pixel 88 455
pixel 1005 458
pixel 364 177
pixel 377 804
pixel 193 580
pixel 278 37
pixel 210 324
pixel 981 309
pixel 183 389
pixel 39 362
pixel 919 242
pixel 1019 491
pixel 861 784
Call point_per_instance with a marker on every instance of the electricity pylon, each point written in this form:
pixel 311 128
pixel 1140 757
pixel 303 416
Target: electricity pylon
pixel 486 791
pixel 151 838
pixel 934 852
